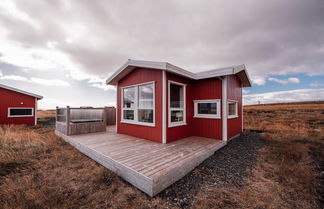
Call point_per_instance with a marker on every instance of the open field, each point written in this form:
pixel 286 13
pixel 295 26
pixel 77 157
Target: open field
pixel 280 164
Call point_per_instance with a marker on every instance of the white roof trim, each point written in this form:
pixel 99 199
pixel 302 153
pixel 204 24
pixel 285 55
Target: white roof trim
pixel 20 91
pixel 131 64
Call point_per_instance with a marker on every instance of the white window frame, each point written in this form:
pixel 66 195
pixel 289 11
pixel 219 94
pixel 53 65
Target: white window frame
pixel 212 116
pixel 136 108
pixel 20 116
pixel 184 108
pixel 236 109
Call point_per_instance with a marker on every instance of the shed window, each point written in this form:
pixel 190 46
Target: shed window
pixel 177 104
pixel 207 108
pixel 20 112
pixel 138 104
pixel 232 109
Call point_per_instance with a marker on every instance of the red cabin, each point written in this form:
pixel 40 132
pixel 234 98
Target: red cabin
pixel 162 102
pixel 17 106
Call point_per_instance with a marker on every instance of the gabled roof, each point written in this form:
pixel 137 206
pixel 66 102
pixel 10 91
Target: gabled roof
pixel 21 91
pixel 239 70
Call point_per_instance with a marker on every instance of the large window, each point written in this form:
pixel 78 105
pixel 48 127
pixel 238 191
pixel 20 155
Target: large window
pixel 207 108
pixel 20 112
pixel 232 109
pixel 138 104
pixel 177 104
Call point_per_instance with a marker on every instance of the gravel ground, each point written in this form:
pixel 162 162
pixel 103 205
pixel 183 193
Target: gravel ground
pixel 228 166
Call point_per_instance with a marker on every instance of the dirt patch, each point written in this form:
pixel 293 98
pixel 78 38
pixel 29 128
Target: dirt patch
pixel 229 166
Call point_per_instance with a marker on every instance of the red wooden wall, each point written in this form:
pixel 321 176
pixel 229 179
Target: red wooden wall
pixel 137 76
pixel 201 90
pixel 234 92
pixel 179 132
pixel 196 90
pixel 14 99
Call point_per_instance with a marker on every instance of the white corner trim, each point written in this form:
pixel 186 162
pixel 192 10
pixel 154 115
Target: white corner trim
pixel 35 111
pixel 224 108
pixel 117 108
pixel 164 137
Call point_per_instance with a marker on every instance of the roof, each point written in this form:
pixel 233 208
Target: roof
pixel 239 70
pixel 21 91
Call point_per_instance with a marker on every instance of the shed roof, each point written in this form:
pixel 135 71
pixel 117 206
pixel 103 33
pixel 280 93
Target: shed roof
pixel 21 91
pixel 239 70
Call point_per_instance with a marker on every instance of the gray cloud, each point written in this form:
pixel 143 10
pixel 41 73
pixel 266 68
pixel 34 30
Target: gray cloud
pixel 270 37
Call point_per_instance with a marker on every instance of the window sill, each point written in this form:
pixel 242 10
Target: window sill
pixel 138 123
pixel 176 124
pixel 232 117
pixel 207 116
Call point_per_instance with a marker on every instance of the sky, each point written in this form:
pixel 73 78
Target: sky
pixel 64 50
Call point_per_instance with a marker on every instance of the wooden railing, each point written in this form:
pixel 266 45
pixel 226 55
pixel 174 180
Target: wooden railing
pixel 82 120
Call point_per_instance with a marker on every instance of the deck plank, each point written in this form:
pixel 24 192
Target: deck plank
pixel 148 165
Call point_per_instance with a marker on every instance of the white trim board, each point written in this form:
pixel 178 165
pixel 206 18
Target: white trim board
pixel 210 116
pixel 240 70
pixel 20 116
pixel 21 91
pixel 184 109
pixel 136 108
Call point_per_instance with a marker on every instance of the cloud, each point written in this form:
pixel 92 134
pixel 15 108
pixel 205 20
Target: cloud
pixel 316 84
pixel 259 81
pixel 96 37
pixel 49 82
pixel 13 77
pixel 285 96
pixel 245 91
pixel 285 81
pixel 100 83
pixel 42 81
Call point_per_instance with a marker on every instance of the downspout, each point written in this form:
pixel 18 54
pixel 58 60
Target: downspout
pixel 224 109
pixel 116 108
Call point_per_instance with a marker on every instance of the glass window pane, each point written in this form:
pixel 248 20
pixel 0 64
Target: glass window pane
pixel 145 96
pixel 232 108
pixel 176 115
pixel 207 108
pixel 176 96
pixel 129 97
pixel 145 116
pixel 25 112
pixel 128 114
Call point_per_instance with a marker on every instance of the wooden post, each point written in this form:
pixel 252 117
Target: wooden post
pixel 56 117
pixel 67 120
pixel 104 115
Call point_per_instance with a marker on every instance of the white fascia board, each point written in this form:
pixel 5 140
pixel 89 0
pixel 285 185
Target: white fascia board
pixel 21 91
pixel 130 64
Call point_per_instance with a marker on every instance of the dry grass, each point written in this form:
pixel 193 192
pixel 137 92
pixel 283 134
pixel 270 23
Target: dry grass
pixel 288 172
pixel 39 170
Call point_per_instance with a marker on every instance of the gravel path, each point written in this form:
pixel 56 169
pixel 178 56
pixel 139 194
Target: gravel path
pixel 228 166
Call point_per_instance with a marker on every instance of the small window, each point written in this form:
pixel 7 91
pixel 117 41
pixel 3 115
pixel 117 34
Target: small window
pixel 20 112
pixel 207 108
pixel 232 109
pixel 177 105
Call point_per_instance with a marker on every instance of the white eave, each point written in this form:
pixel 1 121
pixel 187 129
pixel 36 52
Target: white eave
pixel 239 70
pixel 21 91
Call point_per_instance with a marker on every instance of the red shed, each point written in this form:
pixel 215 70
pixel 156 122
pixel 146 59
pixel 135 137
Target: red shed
pixel 17 106
pixel 162 102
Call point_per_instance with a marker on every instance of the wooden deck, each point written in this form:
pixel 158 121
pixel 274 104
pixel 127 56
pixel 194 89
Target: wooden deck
pixel 149 166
